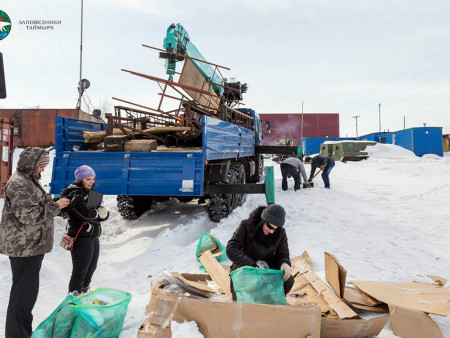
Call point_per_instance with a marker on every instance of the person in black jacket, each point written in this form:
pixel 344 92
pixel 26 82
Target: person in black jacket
pixel 324 163
pixel 84 226
pixel 261 241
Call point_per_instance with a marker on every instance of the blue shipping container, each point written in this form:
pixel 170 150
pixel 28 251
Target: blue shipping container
pixel 420 140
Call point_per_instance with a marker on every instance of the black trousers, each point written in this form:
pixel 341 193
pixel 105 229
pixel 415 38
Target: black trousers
pixel 23 296
pixel 289 169
pixel 84 260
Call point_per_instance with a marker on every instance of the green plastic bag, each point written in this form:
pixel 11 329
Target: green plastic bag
pixel 100 312
pixel 211 243
pixel 261 286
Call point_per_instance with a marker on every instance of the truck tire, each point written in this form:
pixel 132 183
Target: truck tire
pixel 221 205
pixel 132 207
pixel 242 179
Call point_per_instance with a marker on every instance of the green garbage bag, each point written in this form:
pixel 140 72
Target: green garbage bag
pixel 100 312
pixel 261 286
pixel 211 243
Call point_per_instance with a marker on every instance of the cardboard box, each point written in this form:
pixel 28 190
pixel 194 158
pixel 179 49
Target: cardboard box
pixel 337 328
pixel 228 319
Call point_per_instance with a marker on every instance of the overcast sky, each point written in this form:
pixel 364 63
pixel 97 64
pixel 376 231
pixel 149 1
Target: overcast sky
pixel 341 57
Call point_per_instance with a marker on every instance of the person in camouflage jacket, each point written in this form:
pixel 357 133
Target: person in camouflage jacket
pixel 26 234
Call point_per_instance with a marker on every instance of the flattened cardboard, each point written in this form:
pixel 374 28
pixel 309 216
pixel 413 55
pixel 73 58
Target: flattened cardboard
pixel 215 270
pixel 356 296
pixel 425 297
pixel 193 283
pixel 304 257
pixel 307 276
pixel 413 324
pixel 337 328
pixel 382 308
pixel 335 274
pixel 438 280
pixel 229 319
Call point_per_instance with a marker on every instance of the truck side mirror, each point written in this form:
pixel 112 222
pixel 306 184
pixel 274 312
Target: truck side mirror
pixel 2 79
pixel 267 131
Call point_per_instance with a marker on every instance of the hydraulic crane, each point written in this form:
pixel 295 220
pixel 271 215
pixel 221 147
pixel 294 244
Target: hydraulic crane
pixel 178 44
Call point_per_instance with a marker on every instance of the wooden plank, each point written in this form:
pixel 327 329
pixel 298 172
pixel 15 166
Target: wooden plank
pixel 216 272
pixel 166 130
pixel 98 136
pixel 140 145
pixel 191 76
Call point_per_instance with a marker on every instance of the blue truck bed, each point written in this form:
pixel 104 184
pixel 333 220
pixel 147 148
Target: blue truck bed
pixel 179 173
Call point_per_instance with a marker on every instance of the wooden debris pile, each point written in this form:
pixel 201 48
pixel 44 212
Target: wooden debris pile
pixel 143 134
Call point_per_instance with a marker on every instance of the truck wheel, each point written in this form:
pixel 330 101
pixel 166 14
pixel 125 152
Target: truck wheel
pixel 242 179
pixel 132 207
pixel 221 205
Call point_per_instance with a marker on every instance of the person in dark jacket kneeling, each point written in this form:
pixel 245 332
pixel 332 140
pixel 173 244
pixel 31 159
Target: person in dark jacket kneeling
pixel 261 241
pixel 85 222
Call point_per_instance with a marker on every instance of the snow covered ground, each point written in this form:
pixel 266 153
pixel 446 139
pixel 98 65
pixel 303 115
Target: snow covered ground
pixel 386 219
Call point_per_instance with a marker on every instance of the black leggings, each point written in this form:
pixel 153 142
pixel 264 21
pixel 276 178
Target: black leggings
pixel 84 259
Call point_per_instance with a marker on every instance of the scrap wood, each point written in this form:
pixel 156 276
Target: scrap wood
pixel 138 131
pixel 98 136
pixel 216 271
pixel 140 145
pixel 333 301
pixel 165 130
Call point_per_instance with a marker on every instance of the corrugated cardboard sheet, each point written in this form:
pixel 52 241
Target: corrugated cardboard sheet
pixel 228 319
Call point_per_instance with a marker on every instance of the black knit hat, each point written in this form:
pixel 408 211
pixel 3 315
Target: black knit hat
pixel 274 214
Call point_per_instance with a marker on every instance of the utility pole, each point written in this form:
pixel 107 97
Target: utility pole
pixel 379 116
pixel 356 118
pixel 80 90
pixel 404 122
pixel 301 131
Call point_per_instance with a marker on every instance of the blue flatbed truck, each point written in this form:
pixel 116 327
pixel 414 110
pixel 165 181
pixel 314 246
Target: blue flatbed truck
pixel 226 167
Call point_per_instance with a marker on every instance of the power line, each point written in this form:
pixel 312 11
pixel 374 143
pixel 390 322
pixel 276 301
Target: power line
pixel 60 45
pixel 402 73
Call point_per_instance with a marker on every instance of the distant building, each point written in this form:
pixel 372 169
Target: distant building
pixel 420 140
pixel 36 127
pixel 290 126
